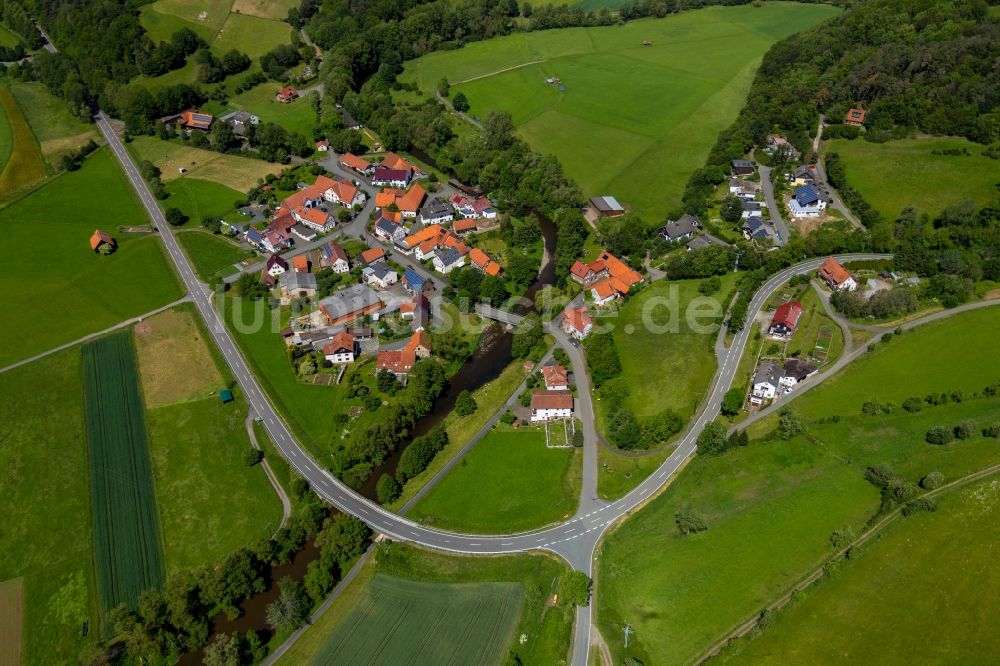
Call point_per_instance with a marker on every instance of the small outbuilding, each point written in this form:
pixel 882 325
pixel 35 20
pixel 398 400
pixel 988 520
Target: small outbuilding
pixel 226 396
pixel 102 242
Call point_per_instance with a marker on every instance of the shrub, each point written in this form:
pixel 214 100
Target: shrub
pixel 789 424
pixel 712 440
pixel 932 481
pixel 939 435
pixel 251 457
pixel 574 588
pixel 965 430
pixel 371 402
pixel 918 505
pixel 879 476
pixel 508 418
pixel 387 489
pixel 577 438
pixel 992 431
pixel 465 404
pixel 843 537
pixel 732 402
pixel 688 521
pixel 913 404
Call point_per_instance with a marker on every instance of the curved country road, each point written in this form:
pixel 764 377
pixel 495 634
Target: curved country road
pixel 575 540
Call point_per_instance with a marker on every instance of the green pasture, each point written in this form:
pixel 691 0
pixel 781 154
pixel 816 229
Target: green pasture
pixel 6 139
pixel 8 37
pixel 58 288
pixel 199 198
pixel 919 594
pixel 210 254
pixel 634 120
pixel 666 363
pixel 541 632
pixel 941 356
pixel 896 174
pixel 21 161
pixel 298 116
pixel 618 474
pixel 431 623
pixel 509 482
pixel 164 17
pixel 251 35
pixel 44 492
pixel 55 127
pixel 128 554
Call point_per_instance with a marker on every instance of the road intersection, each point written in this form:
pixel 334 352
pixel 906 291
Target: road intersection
pixel 574 540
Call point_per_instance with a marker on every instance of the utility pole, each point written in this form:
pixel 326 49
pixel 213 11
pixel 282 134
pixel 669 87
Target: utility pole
pixel 628 632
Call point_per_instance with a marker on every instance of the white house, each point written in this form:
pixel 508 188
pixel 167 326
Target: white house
pixel 340 349
pixel 447 261
pixel 766 382
pixel 276 265
pixel 576 322
pixel 551 405
pixel 380 276
pixel 333 256
pixel 807 202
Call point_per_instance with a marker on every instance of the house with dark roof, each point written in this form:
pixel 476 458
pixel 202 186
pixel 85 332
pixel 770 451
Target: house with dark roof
pixel 795 371
pixel 742 167
pixel 751 208
pixel 295 284
pixel 766 382
pixel 683 227
pixel 448 260
pixel 744 189
pixel 605 207
pixel 807 202
pixel 417 310
pixel 334 256
pixel 413 281
pixel 785 320
pixel 388 231
pixel 804 174
pixel 380 275
pixel 348 304
pixel 239 121
pixel 699 243
pixel 349 121
pixel 436 211
pixel 386 177
pixel 276 265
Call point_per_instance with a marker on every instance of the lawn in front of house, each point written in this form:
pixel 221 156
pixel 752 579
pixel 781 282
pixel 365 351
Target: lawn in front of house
pixel 546 629
pixel 44 494
pixel 921 592
pixel 509 482
pixel 296 116
pixel 211 254
pixel 59 289
pixel 905 172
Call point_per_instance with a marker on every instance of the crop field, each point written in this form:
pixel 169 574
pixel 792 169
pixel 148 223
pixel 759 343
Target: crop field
pixel 906 172
pixel 11 620
pixel 210 254
pixel 58 288
pixel 128 556
pixel 431 624
pixel 174 359
pixel 297 116
pixel 898 603
pixel 199 198
pixel 666 363
pixel 932 358
pixel 44 492
pixel 648 115
pixel 236 173
pixel 57 130
pixel 509 482
pixel 21 161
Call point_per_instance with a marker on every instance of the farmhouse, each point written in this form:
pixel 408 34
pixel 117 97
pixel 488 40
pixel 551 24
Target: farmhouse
pixel 380 276
pixel 372 255
pixel 742 167
pixel 683 227
pixel 341 192
pixel 333 256
pixel 100 240
pixel 286 95
pixel 323 145
pixel 551 405
pixel 348 304
pixel 394 161
pixel 472 208
pixel 807 202
pixel 417 310
pixel 340 349
pixel 296 284
pixel 314 218
pixel 352 161
pixel 556 377
pixel 401 361
pixel 391 177
pixel 577 322
pixel 275 265
pixel 836 276
pixel 484 262
pixel 765 382
pixel 785 320
pixel 605 207
pixel 588 274
pixel 855 117
pixel 409 203
pixel 191 120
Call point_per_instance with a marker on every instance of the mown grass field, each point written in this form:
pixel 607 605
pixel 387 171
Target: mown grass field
pixel 509 482
pixel 252 35
pixel 210 254
pixel 647 115
pixel 163 17
pixel 270 9
pixel 920 594
pixel 24 164
pixel 44 492
pixel 174 359
pixel 925 360
pixel 432 623
pixel 8 37
pixel 57 130
pixel 297 116
pixel 128 554
pixel 667 360
pixel 617 474
pixel 236 173
pixel 770 508
pixel 199 198
pixel 546 628
pixel 11 620
pixel 58 288
pixel 905 172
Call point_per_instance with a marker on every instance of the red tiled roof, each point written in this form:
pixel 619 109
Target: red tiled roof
pixel 314 215
pixel 418 339
pixel 578 318
pixel 787 314
pixel 464 225
pixel 619 269
pixel 341 342
pixel 832 271
pixel 344 192
pixel 411 201
pixel 551 400
pixel 372 254
pixel 394 161
pixel 196 119
pixel 479 258
pixel 300 262
pixel 424 234
pixel 494 269
pixel 99 237
pixel 604 289
pixel 353 161
pixel 555 375
pixel 395 360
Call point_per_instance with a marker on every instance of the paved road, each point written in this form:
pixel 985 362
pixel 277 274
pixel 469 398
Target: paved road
pixel 773 209
pixel 836 201
pixel 575 540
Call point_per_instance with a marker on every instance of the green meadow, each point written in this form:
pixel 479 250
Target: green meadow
pixel 771 507
pixel 896 174
pixel 509 482
pixel 897 603
pixel 60 290
pixel 210 254
pixel 199 198
pixel 634 120
pixel 298 116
